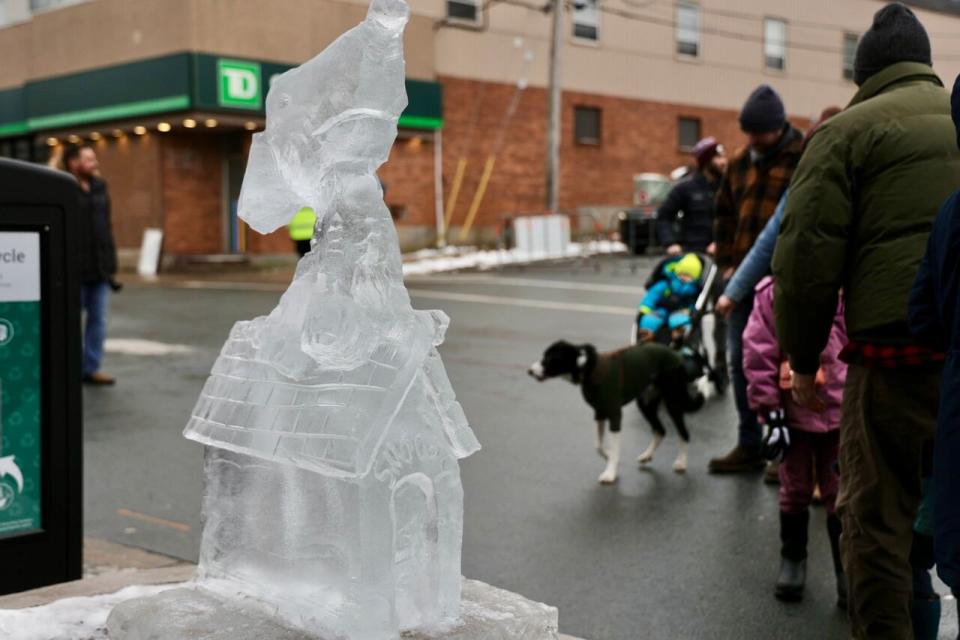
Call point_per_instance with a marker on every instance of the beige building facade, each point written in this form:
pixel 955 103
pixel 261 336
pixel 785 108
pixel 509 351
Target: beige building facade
pixel 642 80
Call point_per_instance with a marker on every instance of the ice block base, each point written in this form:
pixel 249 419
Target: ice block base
pixel 486 613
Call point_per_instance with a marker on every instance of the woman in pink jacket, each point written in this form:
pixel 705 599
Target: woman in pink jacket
pixel 807 441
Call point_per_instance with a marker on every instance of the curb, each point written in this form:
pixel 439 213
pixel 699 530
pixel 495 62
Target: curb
pixel 98 585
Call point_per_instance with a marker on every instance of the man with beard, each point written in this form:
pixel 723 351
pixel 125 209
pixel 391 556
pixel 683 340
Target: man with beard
pixel 98 258
pixel 757 178
pixel 695 196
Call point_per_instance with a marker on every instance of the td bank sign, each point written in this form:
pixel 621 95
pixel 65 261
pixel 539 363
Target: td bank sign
pixel 239 84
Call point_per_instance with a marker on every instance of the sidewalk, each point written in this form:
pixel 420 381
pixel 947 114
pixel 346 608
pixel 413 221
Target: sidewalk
pixel 78 610
pixel 425 262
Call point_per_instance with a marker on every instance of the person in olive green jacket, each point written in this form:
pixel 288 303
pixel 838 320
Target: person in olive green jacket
pixel 860 209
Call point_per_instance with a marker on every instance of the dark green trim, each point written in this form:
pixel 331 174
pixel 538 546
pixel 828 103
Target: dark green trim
pixel 420 122
pixel 167 84
pixel 114 112
pixel 425 100
pixel 14 128
pixel 13 112
pixel 144 81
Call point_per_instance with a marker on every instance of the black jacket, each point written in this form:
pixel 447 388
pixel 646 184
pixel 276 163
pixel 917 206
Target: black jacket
pixel 98 252
pixel 695 196
pixel 935 321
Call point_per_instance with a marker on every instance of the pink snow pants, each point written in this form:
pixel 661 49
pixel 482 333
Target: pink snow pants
pixel 810 460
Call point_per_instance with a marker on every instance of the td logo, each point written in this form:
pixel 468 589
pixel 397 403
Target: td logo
pixel 238 84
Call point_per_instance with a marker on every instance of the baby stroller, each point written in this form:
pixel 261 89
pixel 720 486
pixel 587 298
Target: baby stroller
pixel 690 343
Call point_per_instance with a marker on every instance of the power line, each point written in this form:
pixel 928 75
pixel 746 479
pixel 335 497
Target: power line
pixel 752 17
pixel 666 22
pixel 672 24
pixel 733 35
pixel 667 57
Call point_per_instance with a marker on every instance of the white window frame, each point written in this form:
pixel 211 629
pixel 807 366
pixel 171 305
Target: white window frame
pixel 681 30
pixel 586 13
pixel 478 13
pixel 848 37
pixel 769 42
pixel 52 5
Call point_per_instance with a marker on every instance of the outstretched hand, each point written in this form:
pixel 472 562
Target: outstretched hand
pixel 805 392
pixel 724 306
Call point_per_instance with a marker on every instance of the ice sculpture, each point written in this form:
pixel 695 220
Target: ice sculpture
pixel 333 495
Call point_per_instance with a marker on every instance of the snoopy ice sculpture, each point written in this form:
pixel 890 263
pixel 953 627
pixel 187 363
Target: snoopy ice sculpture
pixel 333 503
pixel 333 489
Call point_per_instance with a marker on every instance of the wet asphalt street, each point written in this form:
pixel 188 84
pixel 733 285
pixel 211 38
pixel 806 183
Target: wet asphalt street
pixel 657 555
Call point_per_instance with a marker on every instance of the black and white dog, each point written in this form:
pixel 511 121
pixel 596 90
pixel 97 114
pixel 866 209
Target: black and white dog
pixel 646 374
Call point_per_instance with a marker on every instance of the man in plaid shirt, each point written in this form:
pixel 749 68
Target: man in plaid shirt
pixel 756 179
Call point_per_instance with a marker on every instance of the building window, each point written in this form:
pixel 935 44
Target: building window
pixel 586 20
pixel 688 30
pixel 464 11
pixel 688 133
pixel 36 6
pixel 775 44
pixel 586 125
pixel 850 42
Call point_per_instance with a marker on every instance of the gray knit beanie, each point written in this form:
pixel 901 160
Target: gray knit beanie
pixel 896 36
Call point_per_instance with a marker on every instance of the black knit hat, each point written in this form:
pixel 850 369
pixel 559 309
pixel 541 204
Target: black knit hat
pixel 896 36
pixel 763 111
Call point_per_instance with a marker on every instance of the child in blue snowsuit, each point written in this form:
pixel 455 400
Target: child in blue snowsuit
pixel 671 301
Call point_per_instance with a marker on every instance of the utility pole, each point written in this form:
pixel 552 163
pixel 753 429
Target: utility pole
pixel 553 122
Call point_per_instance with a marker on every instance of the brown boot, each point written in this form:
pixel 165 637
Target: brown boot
pixel 772 473
pixel 738 461
pixel 99 379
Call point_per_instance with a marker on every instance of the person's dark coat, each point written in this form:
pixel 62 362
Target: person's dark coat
pixel 695 196
pixel 98 252
pixel 935 319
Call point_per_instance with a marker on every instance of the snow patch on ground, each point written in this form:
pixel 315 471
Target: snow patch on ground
pixel 457 258
pixel 82 618
pixel 138 347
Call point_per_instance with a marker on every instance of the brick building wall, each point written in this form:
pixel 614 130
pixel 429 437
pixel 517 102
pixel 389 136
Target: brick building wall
pixel 272 243
pixel 408 179
pixel 192 194
pixel 636 136
pixel 176 181
pixel 132 168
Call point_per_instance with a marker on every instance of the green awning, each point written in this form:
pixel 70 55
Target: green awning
pixel 168 84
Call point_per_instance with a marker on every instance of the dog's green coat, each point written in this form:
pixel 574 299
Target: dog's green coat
pixel 620 377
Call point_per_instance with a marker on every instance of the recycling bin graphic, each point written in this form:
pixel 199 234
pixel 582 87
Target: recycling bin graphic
pixel 40 402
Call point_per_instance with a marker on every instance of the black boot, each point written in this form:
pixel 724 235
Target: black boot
pixel 925 615
pixel 793 556
pixel 833 530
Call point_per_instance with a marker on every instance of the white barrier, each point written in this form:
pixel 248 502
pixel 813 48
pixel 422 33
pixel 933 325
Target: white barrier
pixel 542 236
pixel 150 252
